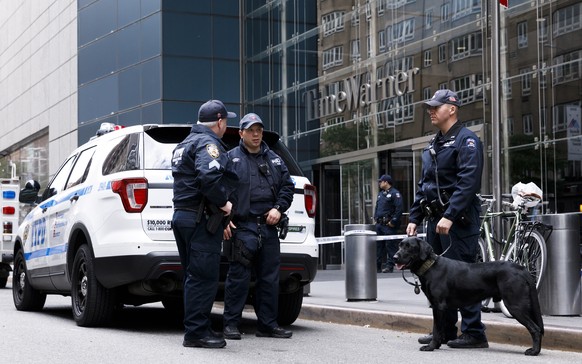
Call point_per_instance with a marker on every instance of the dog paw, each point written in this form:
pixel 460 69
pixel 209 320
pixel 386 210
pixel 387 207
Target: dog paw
pixel 531 352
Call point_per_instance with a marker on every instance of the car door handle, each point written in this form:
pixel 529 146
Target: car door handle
pixel 74 198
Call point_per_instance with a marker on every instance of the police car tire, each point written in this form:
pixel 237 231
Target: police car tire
pixel 25 297
pixel 93 304
pixel 289 307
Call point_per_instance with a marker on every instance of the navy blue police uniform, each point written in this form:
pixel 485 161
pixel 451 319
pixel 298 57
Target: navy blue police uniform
pixel 200 168
pixel 457 158
pixel 264 183
pixel 387 217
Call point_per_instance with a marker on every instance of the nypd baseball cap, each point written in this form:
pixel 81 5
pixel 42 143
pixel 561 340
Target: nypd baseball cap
pixel 212 111
pixel 385 178
pixel 249 120
pixel 442 97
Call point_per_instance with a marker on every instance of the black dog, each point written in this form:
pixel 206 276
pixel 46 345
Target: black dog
pixel 450 283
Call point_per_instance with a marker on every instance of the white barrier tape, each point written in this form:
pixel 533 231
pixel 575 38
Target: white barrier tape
pixel 341 238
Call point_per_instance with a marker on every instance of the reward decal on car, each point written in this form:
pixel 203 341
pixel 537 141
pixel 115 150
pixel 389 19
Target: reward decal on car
pixel 159 225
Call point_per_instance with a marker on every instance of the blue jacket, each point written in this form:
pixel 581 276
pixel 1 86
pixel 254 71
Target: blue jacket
pixel 201 168
pixel 281 179
pixel 459 160
pixel 389 205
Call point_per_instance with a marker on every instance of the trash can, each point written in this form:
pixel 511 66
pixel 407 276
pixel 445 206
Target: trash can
pixel 559 290
pixel 361 284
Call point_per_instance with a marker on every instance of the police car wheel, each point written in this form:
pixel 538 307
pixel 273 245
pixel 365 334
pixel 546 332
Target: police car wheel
pixel 25 297
pixel 93 304
pixel 289 307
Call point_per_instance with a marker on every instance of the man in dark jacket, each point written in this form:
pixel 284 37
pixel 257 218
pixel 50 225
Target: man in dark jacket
pixel 264 193
pixel 203 185
pixel 452 165
pixel 387 217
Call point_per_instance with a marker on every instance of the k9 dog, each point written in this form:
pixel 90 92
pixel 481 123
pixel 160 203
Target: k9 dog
pixel 450 283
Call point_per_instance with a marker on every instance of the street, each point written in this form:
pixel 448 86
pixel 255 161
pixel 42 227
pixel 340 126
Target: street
pixel 148 334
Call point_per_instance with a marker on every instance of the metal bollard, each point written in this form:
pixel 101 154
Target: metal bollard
pixel 559 290
pixel 361 278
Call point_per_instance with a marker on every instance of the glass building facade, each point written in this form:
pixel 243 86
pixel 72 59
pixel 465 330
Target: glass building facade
pixel 342 81
pixel 357 112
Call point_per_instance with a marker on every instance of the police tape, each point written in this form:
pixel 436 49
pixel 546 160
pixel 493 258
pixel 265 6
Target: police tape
pixel 341 238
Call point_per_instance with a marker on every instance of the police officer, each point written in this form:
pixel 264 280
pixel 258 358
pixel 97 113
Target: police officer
pixel 387 217
pixel 452 165
pixel 201 181
pixel 265 192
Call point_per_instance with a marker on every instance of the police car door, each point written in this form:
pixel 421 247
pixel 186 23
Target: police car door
pixel 62 214
pixel 37 245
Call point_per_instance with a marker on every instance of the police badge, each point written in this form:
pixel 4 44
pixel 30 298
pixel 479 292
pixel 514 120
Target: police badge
pixel 213 151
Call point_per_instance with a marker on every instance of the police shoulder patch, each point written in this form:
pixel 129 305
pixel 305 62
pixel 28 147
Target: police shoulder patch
pixel 213 150
pixel 471 143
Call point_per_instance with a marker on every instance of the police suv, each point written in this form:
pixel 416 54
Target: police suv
pixel 101 230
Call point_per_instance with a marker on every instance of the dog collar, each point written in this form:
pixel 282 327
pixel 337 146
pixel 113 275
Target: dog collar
pixel 426 266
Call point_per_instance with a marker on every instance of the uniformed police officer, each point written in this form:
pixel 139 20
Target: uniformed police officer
pixel 265 192
pixel 202 180
pixel 452 165
pixel 387 217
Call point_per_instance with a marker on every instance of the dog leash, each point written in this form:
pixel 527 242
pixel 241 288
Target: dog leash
pixel 416 284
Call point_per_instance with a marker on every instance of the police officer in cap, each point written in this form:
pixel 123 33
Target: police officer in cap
pixel 202 180
pixel 265 192
pixel 452 165
pixel 387 217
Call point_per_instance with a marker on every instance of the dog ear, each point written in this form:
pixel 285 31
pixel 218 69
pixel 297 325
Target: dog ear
pixel 425 249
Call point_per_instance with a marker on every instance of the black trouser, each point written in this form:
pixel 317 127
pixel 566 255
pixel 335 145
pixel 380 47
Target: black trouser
pixel 266 263
pixel 200 256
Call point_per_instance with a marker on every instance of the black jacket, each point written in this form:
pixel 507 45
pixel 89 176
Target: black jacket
pixel 201 168
pixel 281 179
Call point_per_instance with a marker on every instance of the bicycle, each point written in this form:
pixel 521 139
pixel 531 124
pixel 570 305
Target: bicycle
pixel 524 244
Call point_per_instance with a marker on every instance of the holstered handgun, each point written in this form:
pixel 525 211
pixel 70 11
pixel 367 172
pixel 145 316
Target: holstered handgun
pixel 283 226
pixel 215 218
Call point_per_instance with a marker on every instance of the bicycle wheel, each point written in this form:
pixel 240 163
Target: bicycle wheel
pixel 531 253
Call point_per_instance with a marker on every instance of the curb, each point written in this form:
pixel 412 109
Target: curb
pixel 555 338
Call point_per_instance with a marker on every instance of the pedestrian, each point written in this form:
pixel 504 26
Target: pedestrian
pixel 202 187
pixel 265 192
pixel 452 165
pixel 387 217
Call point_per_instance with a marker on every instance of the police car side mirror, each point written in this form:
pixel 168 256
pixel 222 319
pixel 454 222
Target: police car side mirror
pixel 29 194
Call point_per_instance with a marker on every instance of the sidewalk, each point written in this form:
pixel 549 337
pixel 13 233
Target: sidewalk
pixel 398 308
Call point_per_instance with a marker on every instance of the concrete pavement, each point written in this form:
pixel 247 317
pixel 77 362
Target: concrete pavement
pixel 398 308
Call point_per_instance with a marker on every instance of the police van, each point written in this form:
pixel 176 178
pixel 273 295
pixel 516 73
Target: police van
pixel 101 230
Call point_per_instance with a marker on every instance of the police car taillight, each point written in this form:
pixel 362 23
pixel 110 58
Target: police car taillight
pixel 310 195
pixel 133 192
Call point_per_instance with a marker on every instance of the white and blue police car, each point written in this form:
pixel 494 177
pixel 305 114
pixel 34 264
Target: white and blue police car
pixel 101 230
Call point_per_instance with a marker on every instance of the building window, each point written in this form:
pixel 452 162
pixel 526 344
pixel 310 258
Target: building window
pixel 332 23
pixel 355 55
pixel 510 126
pixel 445 11
pixel 427 58
pixel 426 93
pixel 527 121
pixel 567 20
pixel 332 57
pixel 525 82
pixel 396 110
pixel 543 30
pixel 428 19
pixel 506 87
pixel 503 40
pixel 370 46
pixel 368 8
pixel 522 34
pixel 381 42
pixel 466 88
pixel 567 67
pixel 466 46
pixel 355 18
pixel 442 53
pixel 401 31
pixel 462 8
pixel 381 7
